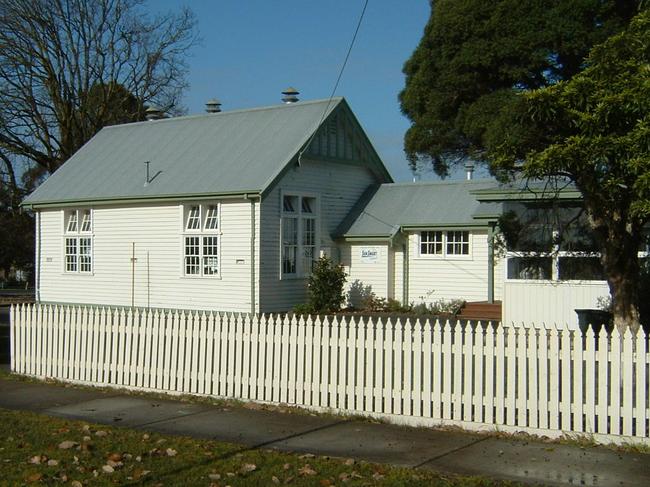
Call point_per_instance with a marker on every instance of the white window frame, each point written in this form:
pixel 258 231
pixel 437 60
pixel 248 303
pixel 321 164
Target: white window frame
pixel 77 235
pixel 301 217
pixel 444 254
pixel 201 233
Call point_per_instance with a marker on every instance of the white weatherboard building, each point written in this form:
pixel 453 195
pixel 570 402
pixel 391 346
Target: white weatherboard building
pixel 231 210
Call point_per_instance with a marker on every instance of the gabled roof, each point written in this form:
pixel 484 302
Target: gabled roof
pixel 382 212
pixel 217 154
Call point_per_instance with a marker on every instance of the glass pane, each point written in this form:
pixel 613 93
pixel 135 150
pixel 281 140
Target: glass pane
pixel 193 219
pixel 192 266
pixel 72 222
pixel 210 256
pixel 85 254
pixel 308 259
pixel 71 254
pixel 307 205
pixel 85 222
pixel 289 204
pixel 290 231
pixel 458 243
pixel 431 243
pixel 289 259
pixel 211 221
pixel 530 268
pixel 581 269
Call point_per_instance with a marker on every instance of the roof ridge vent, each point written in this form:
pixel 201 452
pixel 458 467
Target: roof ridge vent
pixel 290 95
pixel 213 106
pixel 154 113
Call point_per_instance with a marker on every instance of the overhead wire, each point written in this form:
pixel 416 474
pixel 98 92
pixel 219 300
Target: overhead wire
pixel 338 80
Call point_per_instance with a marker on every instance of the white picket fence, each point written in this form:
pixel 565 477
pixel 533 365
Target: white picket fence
pixel 548 381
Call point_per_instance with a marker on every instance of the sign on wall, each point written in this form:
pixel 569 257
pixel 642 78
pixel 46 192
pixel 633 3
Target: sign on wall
pixel 369 255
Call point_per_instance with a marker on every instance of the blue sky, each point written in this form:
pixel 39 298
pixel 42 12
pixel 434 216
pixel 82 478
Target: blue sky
pixel 252 49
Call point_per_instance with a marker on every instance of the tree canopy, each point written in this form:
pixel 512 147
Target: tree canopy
pixel 595 131
pixel 474 58
pixel 67 67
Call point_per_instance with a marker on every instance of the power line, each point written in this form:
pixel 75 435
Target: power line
pixel 338 79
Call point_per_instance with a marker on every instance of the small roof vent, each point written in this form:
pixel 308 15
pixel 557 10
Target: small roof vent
pixel 213 106
pixel 290 95
pixel 154 113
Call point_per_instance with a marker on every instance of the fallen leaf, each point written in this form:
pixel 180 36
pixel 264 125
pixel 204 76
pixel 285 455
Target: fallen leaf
pixel 66 445
pixel 52 463
pixel 35 477
pixel 36 460
pixel 275 480
pixel 288 480
pixel 286 466
pixel 86 438
pixel 101 433
pixel 307 470
pixel 138 458
pixel 76 483
pixel 85 427
pixel 377 476
pixel 116 457
pixel 326 482
pixel 145 437
pixel 307 455
pixel 171 452
pixel 108 469
pixel 114 464
pixel 247 467
pixel 139 473
pixel 349 461
pixel 214 476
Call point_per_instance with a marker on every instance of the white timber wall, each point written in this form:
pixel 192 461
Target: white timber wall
pixel 156 230
pixel 548 381
pixel 550 302
pixel 367 274
pixel 337 186
pixel 455 277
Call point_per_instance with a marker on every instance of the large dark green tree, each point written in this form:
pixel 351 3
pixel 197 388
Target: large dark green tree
pixel 475 57
pixel 512 84
pixel 595 131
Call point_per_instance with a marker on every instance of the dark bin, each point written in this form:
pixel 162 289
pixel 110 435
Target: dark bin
pixel 596 318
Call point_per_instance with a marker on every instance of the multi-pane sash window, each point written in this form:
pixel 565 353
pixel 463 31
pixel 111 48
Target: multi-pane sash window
pixel 78 241
pixel 299 235
pixel 458 243
pixel 431 243
pixel 449 243
pixel 201 240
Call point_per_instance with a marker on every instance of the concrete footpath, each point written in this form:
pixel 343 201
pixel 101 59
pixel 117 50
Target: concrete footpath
pixel 444 451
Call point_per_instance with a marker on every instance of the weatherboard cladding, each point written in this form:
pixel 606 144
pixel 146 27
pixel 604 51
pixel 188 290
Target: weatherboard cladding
pixel 232 152
pixel 424 204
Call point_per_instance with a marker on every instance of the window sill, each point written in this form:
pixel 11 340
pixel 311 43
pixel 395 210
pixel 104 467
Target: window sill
pixel 216 277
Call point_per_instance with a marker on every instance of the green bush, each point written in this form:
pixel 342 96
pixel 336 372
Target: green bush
pixel 326 287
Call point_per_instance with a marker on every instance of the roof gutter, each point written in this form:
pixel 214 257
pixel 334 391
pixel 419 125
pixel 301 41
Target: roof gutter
pixel 129 200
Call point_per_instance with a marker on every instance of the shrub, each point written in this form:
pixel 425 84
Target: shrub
pixel 326 287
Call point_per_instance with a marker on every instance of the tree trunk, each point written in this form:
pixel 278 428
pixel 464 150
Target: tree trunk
pixel 621 265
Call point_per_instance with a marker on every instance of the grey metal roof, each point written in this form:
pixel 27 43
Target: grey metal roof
pixel 210 154
pixel 389 207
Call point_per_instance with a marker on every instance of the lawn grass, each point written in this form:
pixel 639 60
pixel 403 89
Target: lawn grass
pixel 31 453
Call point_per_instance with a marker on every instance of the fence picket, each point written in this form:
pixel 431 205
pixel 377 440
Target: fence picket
pixel 616 383
pixel 577 367
pixel 468 356
pixel 640 360
pixel 528 378
pixel 627 384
